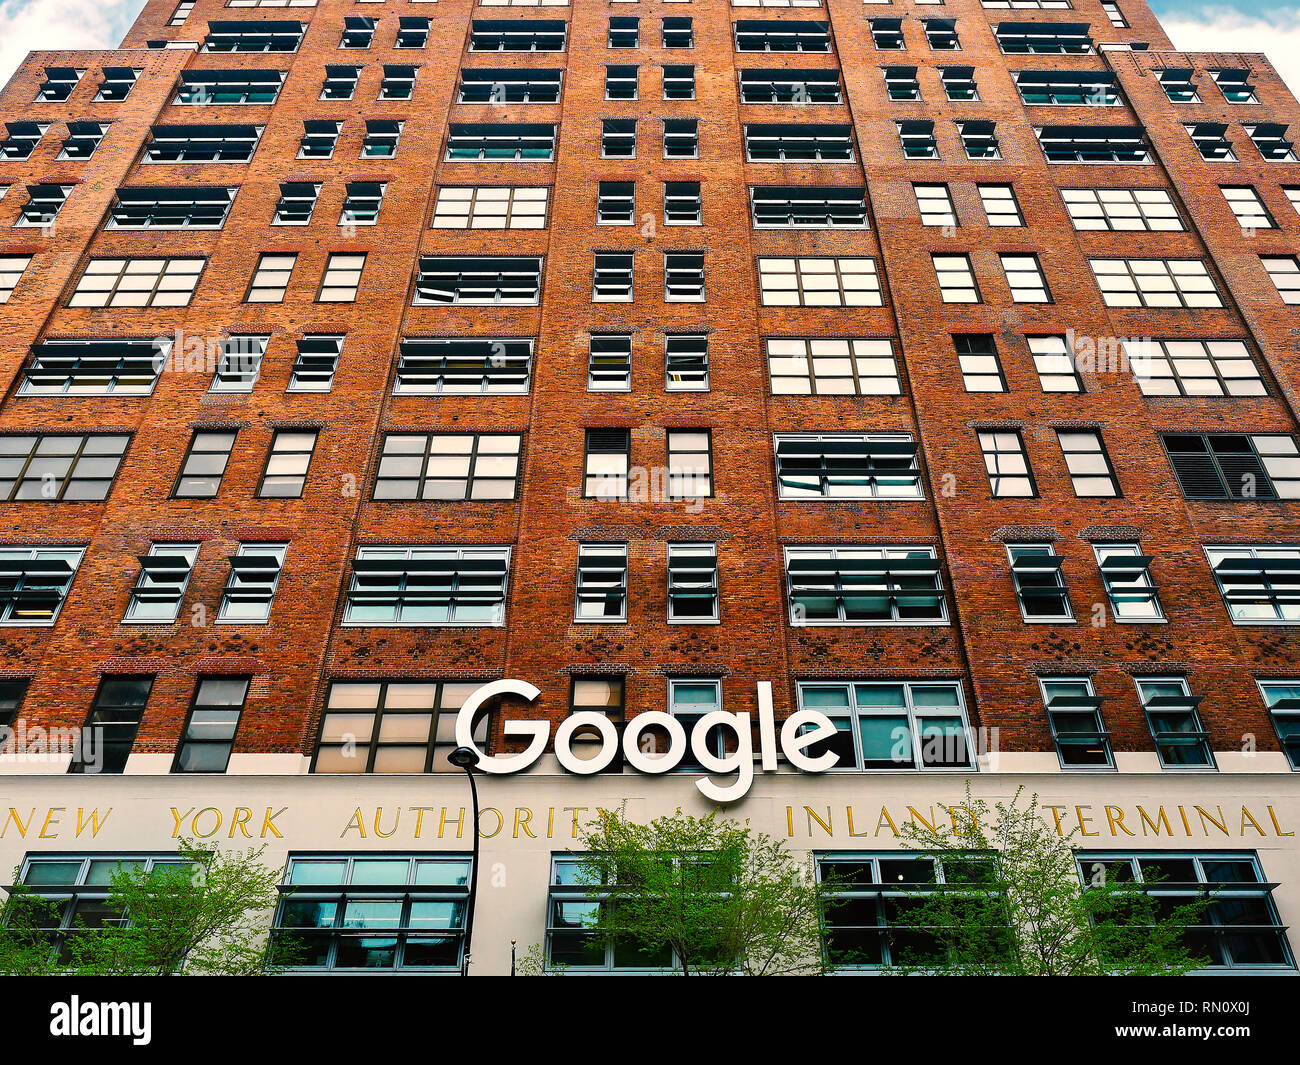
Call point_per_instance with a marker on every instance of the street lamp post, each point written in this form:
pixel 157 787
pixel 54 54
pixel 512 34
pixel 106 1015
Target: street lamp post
pixel 466 758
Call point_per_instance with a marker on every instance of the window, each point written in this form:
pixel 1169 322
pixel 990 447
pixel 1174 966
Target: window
pixel 959 83
pixel 259 36
pixel 1126 572
pixel 94 367
pixel 358 32
pixel 782 35
pixel 1040 588
pixel 901 83
pixel 170 208
pixel 956 279
pixel 436 466
pixel 318 139
pixel 12 691
pixel 1282 697
pixel 1155 283
pixel 808 207
pixel 851 585
pixel 338 284
pixel 814 281
pixel 202 144
pixel 59 83
pixel 977 358
pixel 239 364
pixel 361 203
pixel 164 573
pixel 83 138
pixel 616 203
pixel 686 362
pixel 428 585
pixel 380 912
pixel 805 86
pixel 202 87
pixel 1270 139
pixel 690 463
pixel 22 139
pixel 1001 208
pixel 1115 15
pixel 285 475
pixel 1007 464
pixel 44 202
pixel 527 141
pixel 689 700
pixel 1054 364
pixel 887 34
pixel 11 272
pixel 296 205
pixel 114 720
pixel 1247 207
pixel 607 455
pixel 941 34
pixel 137 283
pixel 601 583
pixel 681 138
pixel 490 207
pixel 340 83
pixel 1174 718
pixel 1235 85
pixel 34 583
pixel 317 360
pixel 1074 714
pixel 1122 210
pixel 892 726
pixel 1093 144
pixel 250 588
pixel 507 85
pixel 618 138
pixel 1040 88
pixel 210 729
pixel 798 142
pixel 612 277
pixel 692 583
pixel 1234 466
pixel 847 466
pixel 1258 584
pixel 678 32
pixel 117 84
pixel 1025 279
pixel 1284 272
pixel 684 276
pixel 683 205
pixel 832 366
pixel 1089 466
pixel 620 82
pixel 609 365
pixel 574 909
pixel 1180 86
pixel 1044 38
pixel 1193 368
pixel 1210 139
pixel 624 32
pixel 935 202
pixel 205 464
pixel 596 695
pixel 679 82
pixel 463 366
pixel 517 35
pixel 398 82
pixel 412 32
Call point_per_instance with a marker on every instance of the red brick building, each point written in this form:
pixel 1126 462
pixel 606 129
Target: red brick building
pixel 932 363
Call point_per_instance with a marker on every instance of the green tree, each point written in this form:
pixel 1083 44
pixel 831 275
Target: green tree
pixel 204 915
pixel 1010 903
pixel 712 895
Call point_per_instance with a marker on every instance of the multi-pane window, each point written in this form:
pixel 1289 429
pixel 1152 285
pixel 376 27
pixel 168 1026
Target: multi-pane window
pixel 342 275
pixel 318 138
pixel 44 202
pixel 979 139
pixel 82 140
pixel 496 141
pixel 240 363
pixel 205 464
pixel 392 726
pixel 482 466
pixel 681 137
pixel 977 358
pixel 373 913
pixel 935 202
pixel 114 719
pixel 847 466
pixel 624 32
pixel 202 144
pixel 1126 572
pixel 606 460
pixel 1180 85
pixel 250 588
pixel 316 362
pixel 609 362
pixel 1235 85
pixel 1007 464
pixel 1040 586
pixel 808 207
pixel 170 208
pixel 907 725
pixel 259 36
pixel 901 83
pixel 340 82
pixel 1193 368
pixel 1123 210
pixel 1234 466
pixel 1174 718
pixel 1247 207
pixel 12 692
pixel 1155 283
pixel 678 82
pixel 1025 279
pixel 1211 140
pixel 1078 730
pixel 1001 208
pixel 11 272
pixel 601 583
pixel 1086 461
pixel 817 281
pixel 959 83
pixel 1284 272
pixel 270 278
pixel 398 82
pixel 615 203
pixel 956 278
pixel 1282 697
pixel 575 907
pixel 686 362
pixel 684 276
pixel 887 34
pixel 620 82
pixel 1260 584
pixel 210 728
pixel 412 32
pixel 137 283
pixel 618 138
pixel 158 590
pixel 612 277
pixel 941 34
pixel 517 35
pixel 1054 364
pixel 782 35
pixel 59 83
pixel 361 203
pixel 117 84
pixel 678 32
pixel 1067 88
pixel 285 475
pixel 490 207
pixel 1044 38
pixel 855 585
pixel 428 585
pixel 789 142
pixel 917 138
pixel 683 204
pixel 832 366
pixel 94 367
pixel 203 87
pixel 21 139
pixel 296 204
pixel 1271 140
pixel 689 700
pixel 692 583
pixel 34 582
pixel 463 366
pixel 690 463
pixel 1093 144
pixel 795 85
pixel 358 31
pixel 1113 12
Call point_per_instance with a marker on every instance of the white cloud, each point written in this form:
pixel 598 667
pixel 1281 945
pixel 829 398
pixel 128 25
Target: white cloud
pixel 37 25
pixel 1211 29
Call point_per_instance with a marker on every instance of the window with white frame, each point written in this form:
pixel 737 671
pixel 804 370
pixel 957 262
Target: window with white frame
pixel 1044 38
pixel 59 83
pixel 615 203
pixel 164 574
pixel 117 84
pixel 1211 140
pixel 202 144
pixel 381 140
pixel 621 82
pixel 901 83
pixel 501 141
pixel 34 582
pixel 690 463
pixel 609 362
pixel 1054 364
pixel 832 366
pixel 361 203
pixel 790 85
pixel 1007 464
pixel 490 207
pixel 452 466
pixel 44 202
pixel 1235 85
pixel 1025 278
pixel 916 136
pixel 1040 587
pixel 94 366
pixel 21 139
pixel 887 34
pixel 959 83
pixel 82 140
pixel 1078 730
pixel 601 583
pixel 318 139
pixel 979 139
pixel 478 280
pixel 340 82
pixel 296 205
pixel 1122 210
pixel 956 279
pixel 678 81
pixel 618 138
pixel 1088 464
pixel 137 283
pixel 606 461
pixel 1126 573
pixel 1193 367
pixel 1234 466
pixel 861 585
pixel 316 362
pixel 683 203
pixel 686 362
pixel 170 208
pixel 214 87
pixel 463 366
pixel 808 207
pixel 204 464
pixel 892 725
pixel 1093 144
pixel 847 466
pixel 428 585
pixel 518 35
pixel 509 85
pixel 692 583
pixel 1260 584
pixel 1155 283
pixel 791 142
pixel 250 588
pixel 1174 718
pixel 398 82
pixel 684 276
pixel 1282 697
pixel 681 137
pixel 1179 84
pixel 1271 141
pixel 1068 88
pixel 612 277
pixel 819 281
pixel 240 363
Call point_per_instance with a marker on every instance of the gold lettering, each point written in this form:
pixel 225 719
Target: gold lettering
pixel 575 810
pixel 885 819
pixel 95 823
pixel 240 821
pixel 917 817
pixel 1221 824
pixel 812 816
pixel 194 825
pixel 268 822
pixel 523 815
pixel 1115 818
pixel 1245 816
pixel 789 822
pixel 1084 822
pixel 379 830
pixel 500 822
pixel 178 818
pixel 852 834
pixel 357 822
pixel 13 816
pixel 1271 816
pixel 1056 816
pixel 419 812
pixel 1162 818
pixel 50 822
pixel 460 822
pixel 550 822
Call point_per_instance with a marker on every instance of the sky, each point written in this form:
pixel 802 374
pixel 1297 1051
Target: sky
pixel 1268 26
